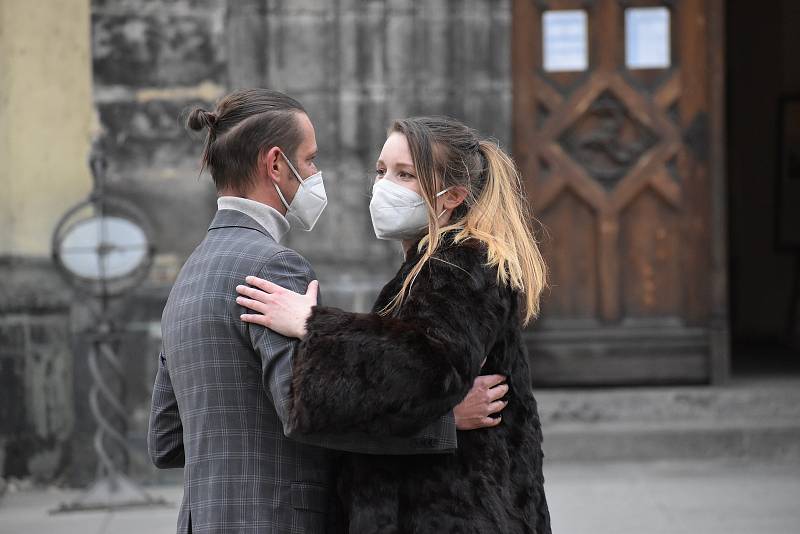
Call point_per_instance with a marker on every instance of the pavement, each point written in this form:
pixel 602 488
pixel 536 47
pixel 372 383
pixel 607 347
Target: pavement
pixel 703 496
pixel 675 497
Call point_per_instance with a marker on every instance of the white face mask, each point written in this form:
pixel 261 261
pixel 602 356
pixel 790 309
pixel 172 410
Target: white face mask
pixel 397 212
pixel 309 201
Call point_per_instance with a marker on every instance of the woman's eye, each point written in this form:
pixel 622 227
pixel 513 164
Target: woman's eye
pixel 405 175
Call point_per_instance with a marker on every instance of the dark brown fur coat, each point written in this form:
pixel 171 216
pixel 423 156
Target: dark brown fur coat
pixel 394 375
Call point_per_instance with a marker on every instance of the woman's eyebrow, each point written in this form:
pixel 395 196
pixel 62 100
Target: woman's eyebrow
pixel 380 162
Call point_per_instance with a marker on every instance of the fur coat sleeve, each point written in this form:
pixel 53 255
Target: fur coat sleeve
pixel 393 375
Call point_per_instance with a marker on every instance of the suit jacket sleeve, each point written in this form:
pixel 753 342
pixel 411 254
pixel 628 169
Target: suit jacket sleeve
pixel 395 374
pixel 165 430
pixel 291 271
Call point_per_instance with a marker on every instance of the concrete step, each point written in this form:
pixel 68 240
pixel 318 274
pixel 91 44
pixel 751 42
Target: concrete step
pixel 758 418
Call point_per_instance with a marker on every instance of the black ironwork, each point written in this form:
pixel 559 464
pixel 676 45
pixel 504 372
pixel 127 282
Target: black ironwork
pixel 112 489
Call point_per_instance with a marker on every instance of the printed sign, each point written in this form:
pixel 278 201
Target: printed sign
pixel 647 39
pixel 565 42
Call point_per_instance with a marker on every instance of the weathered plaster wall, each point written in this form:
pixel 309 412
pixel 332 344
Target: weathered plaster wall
pixel 355 65
pixel 46 115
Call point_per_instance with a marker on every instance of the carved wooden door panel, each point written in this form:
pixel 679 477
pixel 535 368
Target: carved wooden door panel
pixel 614 150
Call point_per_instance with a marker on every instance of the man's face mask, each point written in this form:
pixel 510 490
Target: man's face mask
pixel 309 201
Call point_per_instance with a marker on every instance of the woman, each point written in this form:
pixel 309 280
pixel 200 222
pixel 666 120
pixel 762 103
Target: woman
pixel 471 280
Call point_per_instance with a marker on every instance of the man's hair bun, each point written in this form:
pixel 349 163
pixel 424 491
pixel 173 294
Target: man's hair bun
pixel 200 118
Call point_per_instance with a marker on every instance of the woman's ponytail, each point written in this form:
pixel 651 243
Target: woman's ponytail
pixel 500 217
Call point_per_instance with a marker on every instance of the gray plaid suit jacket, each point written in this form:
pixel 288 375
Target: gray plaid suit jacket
pixel 222 393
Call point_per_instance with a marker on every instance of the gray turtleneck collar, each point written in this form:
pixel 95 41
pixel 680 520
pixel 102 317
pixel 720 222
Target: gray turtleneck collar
pixel 267 216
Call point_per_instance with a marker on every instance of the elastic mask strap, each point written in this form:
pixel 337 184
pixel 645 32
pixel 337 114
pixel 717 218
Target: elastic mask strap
pixel 283 200
pixel 296 174
pixel 440 193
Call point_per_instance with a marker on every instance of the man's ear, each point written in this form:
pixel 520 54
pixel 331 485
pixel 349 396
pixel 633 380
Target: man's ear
pixel 454 197
pixel 271 162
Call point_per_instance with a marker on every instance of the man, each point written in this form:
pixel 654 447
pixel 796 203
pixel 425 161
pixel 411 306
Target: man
pixel 222 391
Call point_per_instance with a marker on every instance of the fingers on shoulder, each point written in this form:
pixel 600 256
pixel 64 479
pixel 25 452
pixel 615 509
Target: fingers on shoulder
pixel 258 319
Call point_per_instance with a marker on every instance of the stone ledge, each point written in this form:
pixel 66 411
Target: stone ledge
pixel 613 442
pixel 758 419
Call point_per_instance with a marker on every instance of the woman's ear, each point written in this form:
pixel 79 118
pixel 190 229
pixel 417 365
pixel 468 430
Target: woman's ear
pixel 454 197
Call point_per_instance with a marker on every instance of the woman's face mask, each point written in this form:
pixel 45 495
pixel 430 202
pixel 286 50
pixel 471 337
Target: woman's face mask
pixel 309 201
pixel 397 212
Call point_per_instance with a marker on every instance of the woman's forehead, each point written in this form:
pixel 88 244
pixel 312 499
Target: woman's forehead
pixel 396 151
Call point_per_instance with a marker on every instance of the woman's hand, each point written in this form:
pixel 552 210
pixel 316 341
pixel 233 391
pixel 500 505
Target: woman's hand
pixel 279 309
pixel 481 402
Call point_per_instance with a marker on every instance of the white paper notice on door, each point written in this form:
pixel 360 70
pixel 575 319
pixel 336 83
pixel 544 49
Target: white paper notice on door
pixel 647 39
pixel 564 40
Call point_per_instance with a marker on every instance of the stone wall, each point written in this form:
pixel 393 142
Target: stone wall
pixel 355 65
pixel 36 415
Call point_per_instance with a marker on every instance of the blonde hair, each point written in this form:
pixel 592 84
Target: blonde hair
pixel 446 153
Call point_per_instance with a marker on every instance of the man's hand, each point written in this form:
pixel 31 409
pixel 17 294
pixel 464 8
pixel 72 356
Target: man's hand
pixel 482 401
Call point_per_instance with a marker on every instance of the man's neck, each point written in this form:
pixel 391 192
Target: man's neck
pixel 257 196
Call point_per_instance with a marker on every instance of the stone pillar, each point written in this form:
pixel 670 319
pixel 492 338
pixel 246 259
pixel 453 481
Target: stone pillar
pixel 46 115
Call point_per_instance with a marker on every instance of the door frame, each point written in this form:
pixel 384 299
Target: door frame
pixel 720 321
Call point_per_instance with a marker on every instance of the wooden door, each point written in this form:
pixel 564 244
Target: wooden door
pixel 619 167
